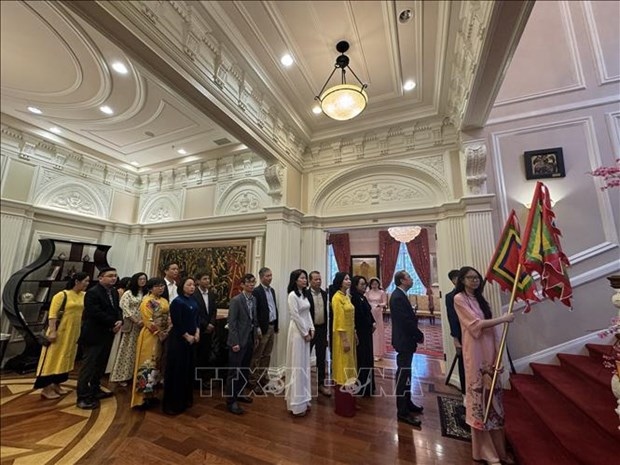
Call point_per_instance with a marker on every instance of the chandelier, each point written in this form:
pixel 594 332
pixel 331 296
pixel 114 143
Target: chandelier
pixel 404 233
pixel 343 101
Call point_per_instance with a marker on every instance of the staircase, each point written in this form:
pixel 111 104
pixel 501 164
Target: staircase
pixel 564 415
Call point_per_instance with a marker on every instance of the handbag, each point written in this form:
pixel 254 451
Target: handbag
pixel 41 338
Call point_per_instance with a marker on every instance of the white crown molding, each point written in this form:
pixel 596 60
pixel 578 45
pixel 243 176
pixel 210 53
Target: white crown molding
pixel 413 137
pixel 474 18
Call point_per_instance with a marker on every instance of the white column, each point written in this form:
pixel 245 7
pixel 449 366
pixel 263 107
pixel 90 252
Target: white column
pixel 313 247
pixel 282 255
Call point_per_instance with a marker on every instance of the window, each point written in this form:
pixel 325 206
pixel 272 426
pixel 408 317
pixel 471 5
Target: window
pixel 404 263
pixel 332 266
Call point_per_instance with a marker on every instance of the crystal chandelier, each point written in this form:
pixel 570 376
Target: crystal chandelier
pixel 405 233
pixel 343 101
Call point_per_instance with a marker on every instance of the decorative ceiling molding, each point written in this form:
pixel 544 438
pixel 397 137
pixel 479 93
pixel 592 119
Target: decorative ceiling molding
pixel 474 18
pixel 24 145
pixel 381 143
pixel 185 37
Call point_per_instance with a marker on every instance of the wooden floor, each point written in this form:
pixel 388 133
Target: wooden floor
pixel 36 431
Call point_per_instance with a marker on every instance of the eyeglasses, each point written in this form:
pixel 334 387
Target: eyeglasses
pixel 110 276
pixel 473 278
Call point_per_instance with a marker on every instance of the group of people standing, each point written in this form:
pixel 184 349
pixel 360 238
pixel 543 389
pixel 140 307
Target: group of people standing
pixel 161 325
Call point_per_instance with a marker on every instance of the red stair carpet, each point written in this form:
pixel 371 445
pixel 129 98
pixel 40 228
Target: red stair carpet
pixel 564 415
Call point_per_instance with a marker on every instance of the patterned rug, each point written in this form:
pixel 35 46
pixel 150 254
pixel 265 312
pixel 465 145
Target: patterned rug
pixel 433 340
pixel 452 418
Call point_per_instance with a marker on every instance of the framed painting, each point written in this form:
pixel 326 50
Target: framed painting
pixel 225 261
pixel 545 163
pixel 365 265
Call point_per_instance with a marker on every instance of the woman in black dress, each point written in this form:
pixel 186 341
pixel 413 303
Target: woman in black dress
pixel 364 327
pixel 185 332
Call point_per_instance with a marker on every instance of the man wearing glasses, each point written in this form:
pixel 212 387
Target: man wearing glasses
pixel 101 320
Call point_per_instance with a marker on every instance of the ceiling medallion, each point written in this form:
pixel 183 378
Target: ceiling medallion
pixel 343 101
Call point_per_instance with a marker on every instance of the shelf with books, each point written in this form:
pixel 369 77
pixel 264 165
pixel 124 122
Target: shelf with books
pixel 27 293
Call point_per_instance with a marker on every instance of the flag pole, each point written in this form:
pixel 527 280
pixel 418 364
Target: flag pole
pixel 502 345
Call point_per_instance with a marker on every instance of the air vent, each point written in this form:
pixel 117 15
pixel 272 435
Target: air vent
pixel 222 141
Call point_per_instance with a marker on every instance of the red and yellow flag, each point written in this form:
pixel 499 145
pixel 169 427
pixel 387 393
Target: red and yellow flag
pixel 542 252
pixel 505 261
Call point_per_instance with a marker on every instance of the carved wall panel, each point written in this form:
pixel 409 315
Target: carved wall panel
pixel 247 196
pixel 61 192
pixel 389 187
pixel 161 207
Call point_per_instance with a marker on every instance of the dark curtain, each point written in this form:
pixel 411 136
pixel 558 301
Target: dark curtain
pixel 342 250
pixel 388 255
pixel 421 259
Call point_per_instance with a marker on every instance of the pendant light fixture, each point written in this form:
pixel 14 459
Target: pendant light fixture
pixel 343 101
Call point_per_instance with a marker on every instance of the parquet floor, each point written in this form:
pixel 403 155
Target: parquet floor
pixel 35 431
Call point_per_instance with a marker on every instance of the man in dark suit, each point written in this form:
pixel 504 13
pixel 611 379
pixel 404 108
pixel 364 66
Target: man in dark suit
pixel 320 318
pixel 267 315
pixel 207 312
pixel 455 328
pixel 243 335
pixel 171 274
pixel 405 338
pixel 101 320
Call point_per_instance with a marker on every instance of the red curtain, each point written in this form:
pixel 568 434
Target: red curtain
pixel 421 259
pixel 342 250
pixel 388 255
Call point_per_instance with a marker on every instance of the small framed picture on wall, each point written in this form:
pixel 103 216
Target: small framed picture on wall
pixel 545 163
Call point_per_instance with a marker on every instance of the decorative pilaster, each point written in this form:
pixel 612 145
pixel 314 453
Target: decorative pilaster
pixel 274 175
pixel 314 247
pixel 282 255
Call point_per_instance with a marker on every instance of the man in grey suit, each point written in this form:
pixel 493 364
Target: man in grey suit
pixel 243 336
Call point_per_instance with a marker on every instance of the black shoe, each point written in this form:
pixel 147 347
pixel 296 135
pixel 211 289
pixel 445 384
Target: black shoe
pixel 87 404
pixel 413 408
pixel 410 421
pixel 234 408
pixel 103 394
pixel 245 399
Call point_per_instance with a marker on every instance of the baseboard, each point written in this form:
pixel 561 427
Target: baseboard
pixel 548 356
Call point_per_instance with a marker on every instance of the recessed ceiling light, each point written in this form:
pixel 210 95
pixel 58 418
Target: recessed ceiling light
pixel 119 67
pixel 405 16
pixel 287 60
pixel 134 163
pixel 409 85
pixel 55 130
pixel 107 110
pixel 34 110
pixel 317 110
pixel 182 152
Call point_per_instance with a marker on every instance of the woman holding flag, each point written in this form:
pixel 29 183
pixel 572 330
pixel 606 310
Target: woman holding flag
pixel 480 347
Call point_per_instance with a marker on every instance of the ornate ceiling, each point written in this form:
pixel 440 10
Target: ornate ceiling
pixel 206 77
